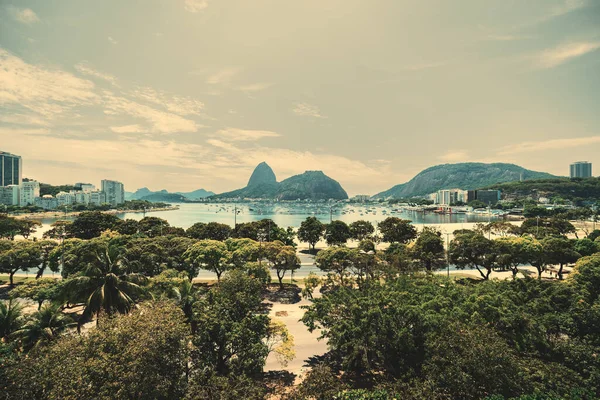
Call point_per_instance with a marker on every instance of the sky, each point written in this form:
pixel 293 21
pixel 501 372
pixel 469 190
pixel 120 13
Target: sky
pixel 188 94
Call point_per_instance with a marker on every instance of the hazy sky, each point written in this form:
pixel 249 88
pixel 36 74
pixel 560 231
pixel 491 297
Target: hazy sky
pixel 184 94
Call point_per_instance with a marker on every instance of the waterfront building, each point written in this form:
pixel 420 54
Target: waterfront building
pixel 47 202
pixel 114 191
pixel 65 199
pixel 488 197
pixel 443 197
pixel 29 191
pixel 449 197
pixel 581 169
pixel 9 195
pixel 361 198
pixel 11 169
pixel 97 198
pixel 85 187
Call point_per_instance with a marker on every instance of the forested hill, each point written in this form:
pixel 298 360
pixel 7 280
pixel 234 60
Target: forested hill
pixel 312 185
pixel 565 188
pixel 461 176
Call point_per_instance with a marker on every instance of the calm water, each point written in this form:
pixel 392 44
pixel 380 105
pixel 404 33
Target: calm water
pixel 294 214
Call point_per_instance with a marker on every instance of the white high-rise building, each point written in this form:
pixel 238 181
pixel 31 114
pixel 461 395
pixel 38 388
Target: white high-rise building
pixel 65 199
pixel 47 202
pixel 97 198
pixel 114 191
pixel 29 191
pixel 9 195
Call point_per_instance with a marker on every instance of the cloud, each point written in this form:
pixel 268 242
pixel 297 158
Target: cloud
pixel 15 132
pixel 507 38
pixel 181 105
pixel 555 144
pixel 553 57
pixel 566 7
pixel 255 87
pixel 195 6
pixel 454 156
pixel 244 135
pixel 44 91
pixel 23 119
pixel 427 65
pixel 224 76
pixel 85 69
pixel 307 110
pixel 128 129
pixel 24 15
pixel 111 40
pixel 161 122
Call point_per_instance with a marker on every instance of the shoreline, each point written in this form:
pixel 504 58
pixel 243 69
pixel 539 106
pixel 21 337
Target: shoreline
pixel 58 214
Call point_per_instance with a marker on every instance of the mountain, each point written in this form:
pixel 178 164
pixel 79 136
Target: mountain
pixel 460 176
pixel 312 185
pixel 163 195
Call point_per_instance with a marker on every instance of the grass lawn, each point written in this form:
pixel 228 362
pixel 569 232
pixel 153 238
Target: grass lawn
pixel 16 279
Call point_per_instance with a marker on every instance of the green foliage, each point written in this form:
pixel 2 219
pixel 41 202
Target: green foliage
pixel 39 290
pixel 43 327
pixel 19 255
pixel 310 231
pixel 398 230
pixel 471 249
pixel 566 188
pixel 11 227
pixel 428 251
pixel 11 318
pixel 91 224
pixel 361 230
pixel 211 255
pixel 282 259
pixel 211 230
pixel 337 233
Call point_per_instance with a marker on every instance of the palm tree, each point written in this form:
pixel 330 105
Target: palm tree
pixel 43 326
pixel 103 285
pixel 11 317
pixel 186 295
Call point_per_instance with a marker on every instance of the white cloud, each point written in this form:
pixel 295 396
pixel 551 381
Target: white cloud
pixel 135 128
pixel 454 156
pixel 23 119
pixel 86 69
pixel 244 135
pixel 224 76
pixel 181 105
pixel 553 57
pixel 47 92
pixel 162 122
pixel 255 87
pixel 555 144
pixel 11 133
pixel 111 40
pixel 566 7
pixel 195 6
pixel 24 15
pixel 307 110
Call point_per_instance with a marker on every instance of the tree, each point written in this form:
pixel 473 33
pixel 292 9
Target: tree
pixel 43 327
pixel 337 260
pixel 212 230
pixel 473 250
pixel 46 248
pixel 282 258
pixel 499 228
pixel 60 230
pixel 231 333
pixel 210 255
pixel 396 230
pixel 11 318
pixel 587 276
pixel 512 252
pixel 26 227
pixel 20 255
pixel 361 230
pixel 9 227
pixel 399 259
pixel 38 290
pixel 143 355
pixel 542 227
pixel 561 251
pixel 586 247
pixel 310 231
pixel 91 224
pixel 281 342
pixel 337 233
pixel 128 227
pixel 153 226
pixel 536 255
pixel 103 285
pixel 428 251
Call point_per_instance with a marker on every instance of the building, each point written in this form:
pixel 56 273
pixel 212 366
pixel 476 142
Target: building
pixel 97 198
pixel 47 202
pixel 488 197
pixel 9 195
pixel 11 169
pixel 443 197
pixel 581 169
pixel 85 187
pixel 114 191
pixel 65 199
pixel 448 197
pixel 361 198
pixel 29 191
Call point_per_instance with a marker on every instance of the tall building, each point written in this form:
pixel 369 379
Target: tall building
pixel 29 191
pixel 581 169
pixel 114 191
pixel 11 169
pixel 488 197
pixel 9 195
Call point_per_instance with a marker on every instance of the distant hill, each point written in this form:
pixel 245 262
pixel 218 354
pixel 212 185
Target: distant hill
pixel 312 185
pixel 163 195
pixel 565 188
pixel 460 176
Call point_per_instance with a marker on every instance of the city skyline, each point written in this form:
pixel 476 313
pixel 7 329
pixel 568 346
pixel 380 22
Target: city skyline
pixel 371 93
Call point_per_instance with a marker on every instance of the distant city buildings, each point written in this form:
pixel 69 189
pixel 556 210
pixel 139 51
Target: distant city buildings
pixel 448 197
pixel 115 192
pixel 361 198
pixel 15 192
pixel 11 169
pixel 581 169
